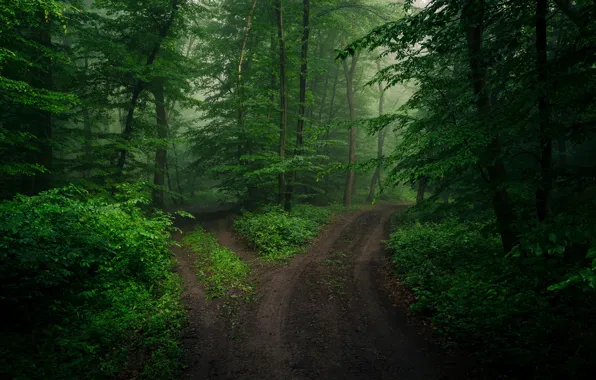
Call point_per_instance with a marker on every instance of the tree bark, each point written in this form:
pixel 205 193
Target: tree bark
pixel 380 140
pixel 283 99
pixel 162 152
pixel 301 99
pixel 248 25
pixel 139 86
pixel 349 73
pixel 544 190
pixel 473 17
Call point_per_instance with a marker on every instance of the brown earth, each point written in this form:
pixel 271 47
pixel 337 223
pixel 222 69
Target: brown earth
pixel 329 314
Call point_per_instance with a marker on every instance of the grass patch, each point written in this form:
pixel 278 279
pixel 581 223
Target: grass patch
pixel 221 270
pixel 279 235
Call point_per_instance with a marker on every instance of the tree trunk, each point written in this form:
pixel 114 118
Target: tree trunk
pixel 349 73
pixel 140 85
pixel 380 139
pixel 301 98
pixel 88 133
pixel 283 99
pixel 323 99
pixel 333 94
pixel 421 189
pixel 272 78
pixel 41 121
pixel 161 154
pixel 473 17
pixel 546 158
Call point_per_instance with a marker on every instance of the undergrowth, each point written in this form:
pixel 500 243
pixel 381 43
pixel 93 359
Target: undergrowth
pixel 278 235
pixel 498 307
pixel 87 289
pixel 221 270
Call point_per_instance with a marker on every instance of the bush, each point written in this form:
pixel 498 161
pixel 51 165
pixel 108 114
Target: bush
pixel 498 307
pixel 277 234
pixel 87 288
pixel 219 268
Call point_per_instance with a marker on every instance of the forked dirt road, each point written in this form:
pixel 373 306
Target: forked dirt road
pixel 322 316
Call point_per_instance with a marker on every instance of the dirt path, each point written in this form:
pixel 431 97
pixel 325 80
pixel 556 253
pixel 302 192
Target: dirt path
pixel 323 316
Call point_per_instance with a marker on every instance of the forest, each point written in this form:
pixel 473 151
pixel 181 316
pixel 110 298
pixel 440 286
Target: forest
pixel 304 189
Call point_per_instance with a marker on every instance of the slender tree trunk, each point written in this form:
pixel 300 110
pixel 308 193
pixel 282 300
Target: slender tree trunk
pixel 244 136
pixel 246 33
pixel 140 86
pixel 273 78
pixel 283 99
pixel 41 121
pixel 161 154
pixel 301 98
pixel 324 98
pixel 326 88
pixel 349 73
pixel 176 169
pixel 473 17
pixel 380 140
pixel 87 133
pixel 421 189
pixel 333 93
pixel 43 181
pixel 544 190
pixel 175 199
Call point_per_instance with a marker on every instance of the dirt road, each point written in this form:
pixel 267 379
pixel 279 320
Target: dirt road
pixel 323 316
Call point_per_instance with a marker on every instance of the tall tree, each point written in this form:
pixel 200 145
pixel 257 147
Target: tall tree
pixel 162 152
pixel 546 142
pixel 164 22
pixel 474 19
pixel 301 98
pixel 42 122
pixel 283 101
pixel 380 140
pixel 349 74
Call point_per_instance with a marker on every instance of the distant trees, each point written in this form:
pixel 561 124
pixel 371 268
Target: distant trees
pixel 496 87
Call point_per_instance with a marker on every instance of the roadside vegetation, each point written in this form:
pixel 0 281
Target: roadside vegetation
pixel 278 235
pixel 87 288
pixel 502 308
pixel 224 274
pixel 114 110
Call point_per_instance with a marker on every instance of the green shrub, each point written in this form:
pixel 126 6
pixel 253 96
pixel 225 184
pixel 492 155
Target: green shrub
pixel 277 234
pixel 497 306
pixel 218 267
pixel 85 285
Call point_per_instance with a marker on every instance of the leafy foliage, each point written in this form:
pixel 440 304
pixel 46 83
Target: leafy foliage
pixel 223 272
pixel 497 306
pixel 87 286
pixel 277 234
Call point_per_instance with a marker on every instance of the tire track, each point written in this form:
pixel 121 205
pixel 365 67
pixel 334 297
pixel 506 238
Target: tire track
pixel 323 316
pixel 267 341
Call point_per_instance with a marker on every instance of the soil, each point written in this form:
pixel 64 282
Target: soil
pixel 331 313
